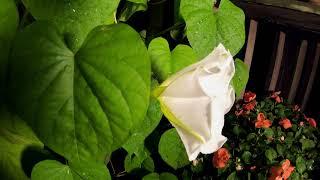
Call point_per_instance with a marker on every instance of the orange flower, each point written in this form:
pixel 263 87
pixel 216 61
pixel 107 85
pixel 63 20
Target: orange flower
pixel 275 173
pixel 287 169
pixel 249 96
pixel 282 172
pixel 285 123
pixel 286 174
pixel 276 97
pixel 261 117
pixel 312 122
pixel 262 122
pixel 221 158
pixel 249 106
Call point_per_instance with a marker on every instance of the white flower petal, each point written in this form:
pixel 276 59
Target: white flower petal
pixel 196 99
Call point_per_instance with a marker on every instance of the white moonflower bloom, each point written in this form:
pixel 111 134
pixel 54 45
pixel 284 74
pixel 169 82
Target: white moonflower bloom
pixel 196 99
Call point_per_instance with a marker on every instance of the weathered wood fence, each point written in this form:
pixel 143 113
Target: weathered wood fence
pixel 283 49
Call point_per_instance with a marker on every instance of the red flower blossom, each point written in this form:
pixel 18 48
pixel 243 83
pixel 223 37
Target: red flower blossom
pixel 250 106
pixel 285 123
pixel 249 96
pixel 262 121
pixel 312 122
pixel 282 172
pixel 221 158
pixel 276 97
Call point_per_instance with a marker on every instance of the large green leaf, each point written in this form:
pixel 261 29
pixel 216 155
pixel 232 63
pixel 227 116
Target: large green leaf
pixel 75 18
pixel 208 26
pixel 171 149
pixel 54 170
pixel 166 63
pixel 132 6
pixel 9 22
pixel 241 77
pixel 15 138
pixel 82 105
pixel 150 122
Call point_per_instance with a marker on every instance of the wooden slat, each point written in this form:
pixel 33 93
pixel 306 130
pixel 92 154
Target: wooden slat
pixel 278 62
pixel 251 42
pixel 281 15
pixel 298 71
pixel 290 4
pixel 311 78
pixel 250 45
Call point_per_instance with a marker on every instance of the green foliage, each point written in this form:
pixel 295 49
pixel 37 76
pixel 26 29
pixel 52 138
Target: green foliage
pixel 300 164
pixel 81 81
pixel 171 149
pixel 241 77
pixel 307 144
pixel 208 26
pixel 15 137
pixel 166 63
pixel 9 20
pixel 255 150
pixel 89 96
pixel 74 18
pixel 270 154
pixel 162 176
pixel 132 6
pixel 246 157
pixel 232 176
pixel 54 170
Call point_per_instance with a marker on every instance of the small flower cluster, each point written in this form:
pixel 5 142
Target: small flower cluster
pixel 281 172
pixel 269 139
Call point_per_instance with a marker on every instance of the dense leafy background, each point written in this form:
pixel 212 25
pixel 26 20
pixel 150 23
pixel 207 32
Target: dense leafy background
pixel 9 22
pixel 82 82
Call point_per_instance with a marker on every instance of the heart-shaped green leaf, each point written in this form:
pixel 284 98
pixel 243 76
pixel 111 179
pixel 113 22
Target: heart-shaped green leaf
pixel 241 77
pixel 9 19
pixel 208 26
pixel 166 63
pixel 82 105
pixel 15 137
pixel 54 170
pixel 75 18
pixel 171 149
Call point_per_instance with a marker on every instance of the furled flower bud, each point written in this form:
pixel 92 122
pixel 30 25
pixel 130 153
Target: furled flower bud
pixel 196 99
